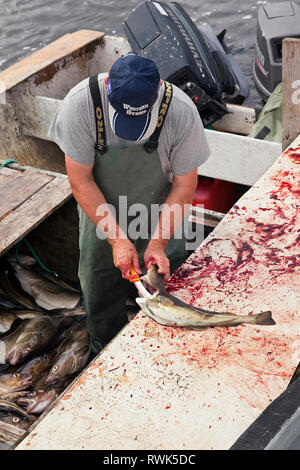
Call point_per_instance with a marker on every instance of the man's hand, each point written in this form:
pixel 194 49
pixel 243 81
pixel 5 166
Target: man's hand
pixel 125 255
pixel 154 254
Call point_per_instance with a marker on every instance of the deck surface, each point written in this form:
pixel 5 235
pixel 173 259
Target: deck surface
pixel 27 197
pixel 156 387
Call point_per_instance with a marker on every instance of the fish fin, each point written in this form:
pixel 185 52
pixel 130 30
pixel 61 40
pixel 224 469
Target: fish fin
pixel 264 318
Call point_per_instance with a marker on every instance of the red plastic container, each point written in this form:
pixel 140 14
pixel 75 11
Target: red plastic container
pixel 213 194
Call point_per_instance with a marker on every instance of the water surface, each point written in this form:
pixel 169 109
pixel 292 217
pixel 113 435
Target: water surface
pixel 28 25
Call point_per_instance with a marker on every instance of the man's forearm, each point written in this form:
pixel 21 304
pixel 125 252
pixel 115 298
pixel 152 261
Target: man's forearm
pixel 94 204
pixel 173 213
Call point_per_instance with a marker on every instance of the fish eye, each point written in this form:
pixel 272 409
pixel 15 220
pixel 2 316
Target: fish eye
pixel 32 394
pixel 16 375
pixel 15 419
pixel 27 349
pixel 54 368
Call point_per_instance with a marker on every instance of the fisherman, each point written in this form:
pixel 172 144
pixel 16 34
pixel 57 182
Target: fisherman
pixel 128 137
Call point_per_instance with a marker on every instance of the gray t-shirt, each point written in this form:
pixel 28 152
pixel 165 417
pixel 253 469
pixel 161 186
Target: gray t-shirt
pixel 182 144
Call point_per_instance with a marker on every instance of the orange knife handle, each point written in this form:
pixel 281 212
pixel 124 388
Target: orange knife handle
pixel 134 275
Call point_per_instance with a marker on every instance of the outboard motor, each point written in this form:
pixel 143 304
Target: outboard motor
pixel 194 59
pixel 275 22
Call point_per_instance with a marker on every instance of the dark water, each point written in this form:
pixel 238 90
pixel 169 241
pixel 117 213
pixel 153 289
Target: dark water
pixel 28 25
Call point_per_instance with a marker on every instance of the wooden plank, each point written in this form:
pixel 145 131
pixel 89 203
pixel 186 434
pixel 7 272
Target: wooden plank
pixel 290 90
pixel 239 120
pixel 36 209
pixel 16 187
pixel 237 158
pixel 156 387
pixel 44 59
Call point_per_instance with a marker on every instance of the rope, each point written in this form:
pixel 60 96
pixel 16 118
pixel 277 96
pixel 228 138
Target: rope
pixel 7 162
pixel 34 254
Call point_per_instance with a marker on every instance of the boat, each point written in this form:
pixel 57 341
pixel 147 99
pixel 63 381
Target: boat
pixel 32 91
pixel 164 388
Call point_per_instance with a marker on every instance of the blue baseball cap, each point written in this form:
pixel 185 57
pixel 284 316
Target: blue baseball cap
pixel 133 85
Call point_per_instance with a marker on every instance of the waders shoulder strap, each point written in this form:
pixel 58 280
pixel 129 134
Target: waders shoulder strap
pixel 99 118
pixel 152 143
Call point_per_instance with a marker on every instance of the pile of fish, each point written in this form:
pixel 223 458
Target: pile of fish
pixel 44 342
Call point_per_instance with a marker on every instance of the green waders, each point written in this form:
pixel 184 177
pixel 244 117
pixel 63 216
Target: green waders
pixel 136 174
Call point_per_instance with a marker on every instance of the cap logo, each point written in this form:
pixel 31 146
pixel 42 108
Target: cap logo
pixel 131 111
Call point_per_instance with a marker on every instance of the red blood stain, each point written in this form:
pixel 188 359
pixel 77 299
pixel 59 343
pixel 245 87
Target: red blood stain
pixel 225 347
pixel 293 153
pixel 268 232
pixel 295 157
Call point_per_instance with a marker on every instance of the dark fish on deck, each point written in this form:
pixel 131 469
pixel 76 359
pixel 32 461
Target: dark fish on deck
pixel 12 427
pixel 11 407
pixel 32 337
pixel 166 309
pixel 27 314
pixel 57 313
pixel 64 337
pixel 6 321
pixel 15 420
pixel 12 289
pixel 8 304
pixel 26 261
pixel 12 382
pixel 7 342
pixel 14 396
pixel 37 402
pixel 72 357
pixel 36 366
pixel 60 282
pixel 46 294
pixel 70 312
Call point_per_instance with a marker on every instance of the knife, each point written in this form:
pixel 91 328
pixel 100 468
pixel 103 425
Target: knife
pixel 135 278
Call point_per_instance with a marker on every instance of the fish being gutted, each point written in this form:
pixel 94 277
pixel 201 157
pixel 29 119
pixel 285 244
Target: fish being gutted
pixel 166 309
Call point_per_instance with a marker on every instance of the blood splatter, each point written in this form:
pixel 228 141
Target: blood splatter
pixel 295 157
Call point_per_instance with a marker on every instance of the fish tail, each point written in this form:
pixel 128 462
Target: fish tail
pixel 264 318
